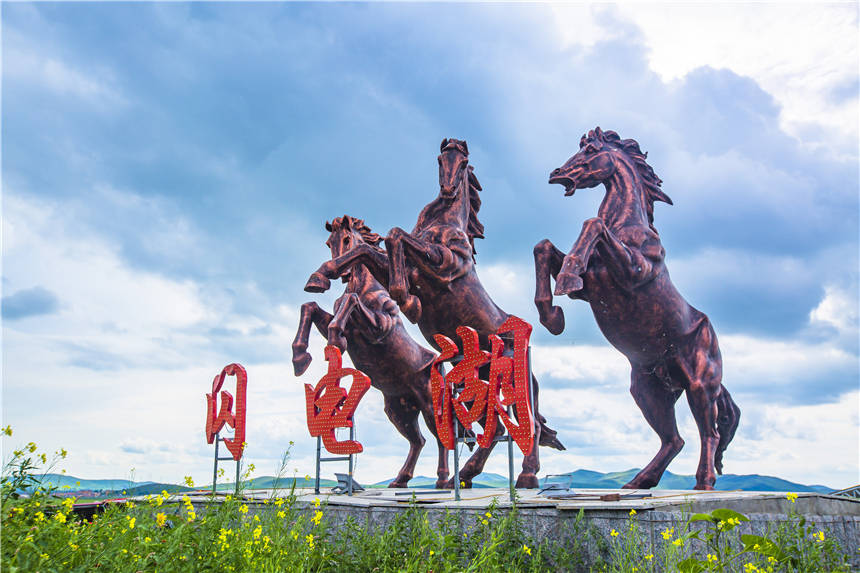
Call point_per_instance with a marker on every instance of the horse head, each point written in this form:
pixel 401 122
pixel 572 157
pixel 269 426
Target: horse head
pixel 346 233
pixel 453 166
pixel 599 156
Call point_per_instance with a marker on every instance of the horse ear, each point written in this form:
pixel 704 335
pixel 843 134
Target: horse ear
pixel 473 180
pixel 658 195
pixel 582 141
pixel 328 227
pixel 598 133
pixel 466 147
pixel 444 143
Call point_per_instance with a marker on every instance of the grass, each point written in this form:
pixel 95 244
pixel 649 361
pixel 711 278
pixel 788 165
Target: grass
pixel 42 533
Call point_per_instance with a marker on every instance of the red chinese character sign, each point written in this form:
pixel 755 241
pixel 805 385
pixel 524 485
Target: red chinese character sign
pixel 216 417
pixel 508 385
pixel 329 406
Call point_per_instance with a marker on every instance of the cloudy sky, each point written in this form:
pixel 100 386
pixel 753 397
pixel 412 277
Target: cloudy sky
pixel 168 168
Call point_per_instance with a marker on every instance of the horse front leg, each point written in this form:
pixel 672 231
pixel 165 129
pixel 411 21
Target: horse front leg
pixel 396 244
pixel 575 263
pixel 375 261
pixel 342 312
pixel 548 261
pixel 311 314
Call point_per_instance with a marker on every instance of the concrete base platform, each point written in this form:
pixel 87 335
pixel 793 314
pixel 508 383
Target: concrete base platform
pixel 551 514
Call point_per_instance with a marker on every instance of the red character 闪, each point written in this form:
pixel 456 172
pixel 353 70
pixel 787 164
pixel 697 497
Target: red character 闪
pixel 329 406
pixel 216 418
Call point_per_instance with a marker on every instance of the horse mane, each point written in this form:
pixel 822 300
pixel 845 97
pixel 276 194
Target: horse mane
pixel 631 148
pixel 474 229
pixel 351 223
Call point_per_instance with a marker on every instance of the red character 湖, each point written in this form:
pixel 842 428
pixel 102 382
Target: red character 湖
pixel 508 386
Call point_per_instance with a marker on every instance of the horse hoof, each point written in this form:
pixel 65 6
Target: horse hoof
pixel 317 283
pixel 301 361
pixel 399 483
pixel 554 320
pixel 337 339
pixel 703 487
pixel 527 481
pixel 412 308
pixel 566 283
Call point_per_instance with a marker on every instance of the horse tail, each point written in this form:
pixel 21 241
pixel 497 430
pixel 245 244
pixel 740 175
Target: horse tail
pixel 728 416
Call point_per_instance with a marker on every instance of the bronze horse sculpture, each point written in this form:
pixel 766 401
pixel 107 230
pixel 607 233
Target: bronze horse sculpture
pixel 431 274
pixel 617 265
pixel 366 325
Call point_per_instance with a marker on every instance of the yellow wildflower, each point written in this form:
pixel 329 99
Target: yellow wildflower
pixel 819 536
pixel 279 502
pixel 60 517
pixel 282 514
pixel 69 504
pixel 432 553
pixel 256 517
pixel 792 497
pixel 44 556
pixel 649 557
pixel 678 542
pixel 632 512
pixel 310 539
pixel 189 481
pixel 243 508
pixel 31 447
pixel 131 521
pixel 7 430
pixel 489 515
pixel 295 534
pixel 712 558
pixel 160 519
pixel 147 539
pixel 613 533
pixel 317 517
pixel 527 550
pixel 316 502
pixel 191 516
pixel 40 517
pixel 258 531
pixel 668 533
pixel 484 521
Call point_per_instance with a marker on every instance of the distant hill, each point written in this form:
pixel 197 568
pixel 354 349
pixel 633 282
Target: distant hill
pixel 588 479
pixel 581 479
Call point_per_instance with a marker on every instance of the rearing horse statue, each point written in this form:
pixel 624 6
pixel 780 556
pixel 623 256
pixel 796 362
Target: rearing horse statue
pixel 366 324
pixel 431 274
pixel 617 265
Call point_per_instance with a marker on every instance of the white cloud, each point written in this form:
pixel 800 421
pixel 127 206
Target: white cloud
pixel 838 309
pixel 26 64
pixel 799 53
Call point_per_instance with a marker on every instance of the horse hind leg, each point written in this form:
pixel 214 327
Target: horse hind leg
pixel 404 416
pixel 548 261
pixel 657 403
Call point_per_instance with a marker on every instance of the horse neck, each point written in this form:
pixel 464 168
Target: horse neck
pixel 441 211
pixel 362 281
pixel 624 203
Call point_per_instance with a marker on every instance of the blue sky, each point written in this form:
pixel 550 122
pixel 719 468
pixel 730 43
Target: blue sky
pixel 168 168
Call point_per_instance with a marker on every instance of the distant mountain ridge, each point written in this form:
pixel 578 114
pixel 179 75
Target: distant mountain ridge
pixel 589 479
pixel 582 479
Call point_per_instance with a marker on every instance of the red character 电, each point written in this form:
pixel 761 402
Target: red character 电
pixel 330 406
pixel 216 417
pixel 508 386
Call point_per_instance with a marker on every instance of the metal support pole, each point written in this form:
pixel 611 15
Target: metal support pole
pixel 237 476
pixel 215 464
pixel 511 460
pixel 317 481
pixel 351 437
pixel 456 459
